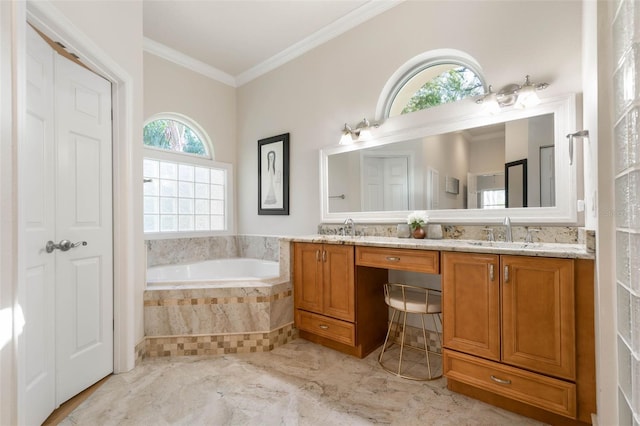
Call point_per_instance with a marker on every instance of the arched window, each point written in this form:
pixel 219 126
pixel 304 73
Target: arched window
pixel 186 193
pixel 431 79
pixel 176 133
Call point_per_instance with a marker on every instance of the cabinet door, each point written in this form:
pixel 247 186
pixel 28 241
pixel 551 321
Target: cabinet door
pixel 538 314
pixel 307 276
pixel 339 282
pixel 471 303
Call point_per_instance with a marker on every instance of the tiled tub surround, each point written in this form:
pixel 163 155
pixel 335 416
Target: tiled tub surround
pixel 217 320
pixel 251 316
pixel 546 234
pixel 188 250
pixel 198 311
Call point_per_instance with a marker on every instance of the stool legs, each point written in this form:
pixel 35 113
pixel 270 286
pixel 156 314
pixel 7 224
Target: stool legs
pixel 386 339
pixel 426 345
pixel 394 323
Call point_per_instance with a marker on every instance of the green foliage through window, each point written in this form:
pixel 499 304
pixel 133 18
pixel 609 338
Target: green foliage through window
pixel 450 86
pixel 173 136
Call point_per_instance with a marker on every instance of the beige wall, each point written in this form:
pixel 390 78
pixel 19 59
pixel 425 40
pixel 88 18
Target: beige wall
pixel 448 154
pixel 312 96
pixel 486 156
pixel 516 140
pixel 171 88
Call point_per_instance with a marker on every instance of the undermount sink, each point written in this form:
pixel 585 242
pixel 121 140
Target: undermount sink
pixel 504 244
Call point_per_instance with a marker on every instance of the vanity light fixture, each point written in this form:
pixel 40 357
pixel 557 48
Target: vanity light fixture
pixel 520 96
pixel 490 102
pixel 361 132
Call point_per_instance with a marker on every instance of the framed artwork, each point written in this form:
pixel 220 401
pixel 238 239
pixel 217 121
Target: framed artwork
pixel 273 175
pixel 451 185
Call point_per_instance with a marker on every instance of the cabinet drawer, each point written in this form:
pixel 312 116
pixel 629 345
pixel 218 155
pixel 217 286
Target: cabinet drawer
pixel 404 259
pixel 544 392
pixel 340 331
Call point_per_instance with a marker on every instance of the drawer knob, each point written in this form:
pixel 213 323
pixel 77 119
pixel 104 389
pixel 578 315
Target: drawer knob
pixel 393 259
pixel 499 380
pixel 324 327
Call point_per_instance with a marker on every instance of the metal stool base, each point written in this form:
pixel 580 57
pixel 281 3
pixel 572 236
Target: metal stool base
pixel 388 344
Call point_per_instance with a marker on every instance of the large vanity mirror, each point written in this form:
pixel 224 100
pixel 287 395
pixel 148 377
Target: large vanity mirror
pixel 471 168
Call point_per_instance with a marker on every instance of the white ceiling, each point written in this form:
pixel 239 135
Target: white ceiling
pixel 235 41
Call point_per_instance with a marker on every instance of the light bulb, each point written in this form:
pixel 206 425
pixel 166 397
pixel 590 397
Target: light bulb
pixel 365 133
pixel 527 97
pixel 490 104
pixel 347 135
pixel 346 139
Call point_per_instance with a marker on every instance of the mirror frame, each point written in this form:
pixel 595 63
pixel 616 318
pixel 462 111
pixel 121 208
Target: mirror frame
pixel 464 115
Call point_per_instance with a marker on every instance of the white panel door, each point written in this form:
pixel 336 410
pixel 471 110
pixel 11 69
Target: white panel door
pixel 84 274
pixel 37 188
pixel 396 183
pixel 64 192
pixel 373 184
pixel 385 183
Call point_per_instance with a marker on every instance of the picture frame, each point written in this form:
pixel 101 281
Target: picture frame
pixel 451 185
pixel 273 175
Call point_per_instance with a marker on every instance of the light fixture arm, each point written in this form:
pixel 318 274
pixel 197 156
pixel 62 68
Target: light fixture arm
pixel 363 128
pixel 508 95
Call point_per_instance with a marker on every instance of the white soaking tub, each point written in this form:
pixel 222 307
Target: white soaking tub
pixel 218 273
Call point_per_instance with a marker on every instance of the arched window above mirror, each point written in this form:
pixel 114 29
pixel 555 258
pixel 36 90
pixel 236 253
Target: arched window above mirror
pixel 433 78
pixel 176 133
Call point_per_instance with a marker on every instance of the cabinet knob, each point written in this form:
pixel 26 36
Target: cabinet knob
pixel 506 273
pixel 324 327
pixel 491 275
pixel 393 259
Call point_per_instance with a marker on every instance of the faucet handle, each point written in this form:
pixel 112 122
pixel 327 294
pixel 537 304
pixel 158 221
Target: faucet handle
pixel 490 235
pixel 529 237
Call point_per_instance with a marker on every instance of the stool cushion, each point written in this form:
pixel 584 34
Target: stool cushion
pixel 414 301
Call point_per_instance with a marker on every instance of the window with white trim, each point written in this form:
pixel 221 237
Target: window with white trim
pixel 493 199
pixel 185 191
pixel 436 84
pixel 433 78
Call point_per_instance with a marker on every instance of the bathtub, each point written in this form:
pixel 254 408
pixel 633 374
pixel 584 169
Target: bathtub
pixel 232 272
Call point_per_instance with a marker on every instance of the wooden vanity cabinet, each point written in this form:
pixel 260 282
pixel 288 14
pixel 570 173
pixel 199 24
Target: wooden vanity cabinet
pixel 538 315
pixel 337 305
pixel 471 304
pixel 324 279
pixel 510 329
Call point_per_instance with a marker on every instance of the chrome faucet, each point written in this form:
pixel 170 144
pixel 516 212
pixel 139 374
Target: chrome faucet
pixel 348 222
pixel 490 235
pixel 508 237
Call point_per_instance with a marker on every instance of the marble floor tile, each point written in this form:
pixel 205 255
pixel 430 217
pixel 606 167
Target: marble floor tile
pixel 299 383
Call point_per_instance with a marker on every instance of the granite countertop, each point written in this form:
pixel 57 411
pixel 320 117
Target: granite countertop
pixel 570 251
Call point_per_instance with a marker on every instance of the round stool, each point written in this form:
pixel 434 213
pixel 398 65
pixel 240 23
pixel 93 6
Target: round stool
pixel 402 300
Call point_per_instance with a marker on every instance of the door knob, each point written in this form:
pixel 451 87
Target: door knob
pixel 63 245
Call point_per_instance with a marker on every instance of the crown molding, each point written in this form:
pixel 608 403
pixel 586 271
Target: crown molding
pixel 179 58
pixel 336 28
pixel 333 30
